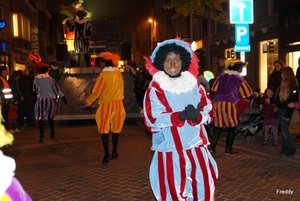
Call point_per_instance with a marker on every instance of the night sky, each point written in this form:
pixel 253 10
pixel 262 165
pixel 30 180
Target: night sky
pixel 128 12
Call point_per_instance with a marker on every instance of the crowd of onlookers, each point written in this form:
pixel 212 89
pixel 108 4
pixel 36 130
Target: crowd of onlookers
pixel 17 99
pixel 141 81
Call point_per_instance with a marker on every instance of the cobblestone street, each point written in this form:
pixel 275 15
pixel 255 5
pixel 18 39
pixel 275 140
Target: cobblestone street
pixel 69 168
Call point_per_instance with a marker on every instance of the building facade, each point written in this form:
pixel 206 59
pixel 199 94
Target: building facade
pixel 30 32
pixel 273 35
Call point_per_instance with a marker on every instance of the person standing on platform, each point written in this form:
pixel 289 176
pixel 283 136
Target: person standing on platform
pixel 176 109
pixel 47 91
pixel 110 115
pixel 83 30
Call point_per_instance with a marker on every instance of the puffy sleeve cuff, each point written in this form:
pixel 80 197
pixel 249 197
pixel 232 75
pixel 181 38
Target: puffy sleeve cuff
pixel 89 101
pixel 176 120
pixel 198 120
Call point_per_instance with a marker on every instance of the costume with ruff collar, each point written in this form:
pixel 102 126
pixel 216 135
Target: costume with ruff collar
pixel 179 144
pixel 229 88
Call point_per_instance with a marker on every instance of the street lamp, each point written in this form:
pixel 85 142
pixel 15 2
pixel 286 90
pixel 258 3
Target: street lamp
pixel 150 34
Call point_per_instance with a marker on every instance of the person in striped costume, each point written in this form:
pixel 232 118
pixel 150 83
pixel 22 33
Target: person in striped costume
pixel 110 115
pixel 176 108
pixel 228 89
pixel 83 30
pixel 47 91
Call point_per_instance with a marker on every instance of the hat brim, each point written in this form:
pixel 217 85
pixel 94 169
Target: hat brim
pixel 82 12
pixel 170 41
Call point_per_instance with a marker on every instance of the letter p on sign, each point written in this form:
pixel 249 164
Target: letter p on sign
pixel 241 34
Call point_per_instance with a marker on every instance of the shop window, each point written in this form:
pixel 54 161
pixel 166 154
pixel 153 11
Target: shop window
pixel 267 55
pixel 292 57
pixel 4 60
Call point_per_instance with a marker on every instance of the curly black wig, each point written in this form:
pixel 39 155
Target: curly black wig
pixel 163 51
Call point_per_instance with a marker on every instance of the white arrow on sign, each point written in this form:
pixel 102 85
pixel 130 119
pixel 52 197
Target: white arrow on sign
pixel 241 6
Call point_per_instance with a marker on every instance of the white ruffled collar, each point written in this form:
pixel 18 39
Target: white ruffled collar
pixel 176 85
pixel 82 21
pixel 232 72
pixel 110 68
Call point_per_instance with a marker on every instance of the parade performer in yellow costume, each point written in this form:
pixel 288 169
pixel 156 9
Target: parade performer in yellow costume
pixel 10 187
pixel 110 115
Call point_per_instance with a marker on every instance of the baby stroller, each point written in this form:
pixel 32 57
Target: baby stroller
pixel 251 122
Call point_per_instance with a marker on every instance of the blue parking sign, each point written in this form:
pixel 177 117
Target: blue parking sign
pixel 241 11
pixel 242 38
pixel 241 34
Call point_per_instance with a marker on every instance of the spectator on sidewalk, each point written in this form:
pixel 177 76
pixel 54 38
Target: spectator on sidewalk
pixel 275 77
pixel 270 113
pixel 47 91
pixel 275 80
pixel 221 65
pixel 25 82
pixel 5 95
pixel 288 92
pixel 297 106
pixel 298 71
pixel 110 115
pixel 17 100
pixel 298 79
pixel 176 109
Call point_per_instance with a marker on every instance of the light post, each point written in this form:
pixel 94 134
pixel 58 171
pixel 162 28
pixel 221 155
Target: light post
pixel 150 34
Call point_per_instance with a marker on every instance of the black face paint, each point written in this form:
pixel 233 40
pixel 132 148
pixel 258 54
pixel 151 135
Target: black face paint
pixel 173 76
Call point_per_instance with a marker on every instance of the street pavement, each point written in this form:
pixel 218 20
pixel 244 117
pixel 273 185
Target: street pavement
pixel 69 168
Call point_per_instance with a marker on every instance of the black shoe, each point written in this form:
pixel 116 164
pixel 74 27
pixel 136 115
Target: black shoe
pixel 41 140
pixel 283 151
pixel 298 136
pixel 229 152
pixel 290 152
pixel 264 143
pixel 106 159
pixel 212 149
pixel 52 137
pixel 114 155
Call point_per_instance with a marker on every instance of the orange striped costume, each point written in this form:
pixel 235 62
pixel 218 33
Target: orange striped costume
pixel 109 89
pixel 229 88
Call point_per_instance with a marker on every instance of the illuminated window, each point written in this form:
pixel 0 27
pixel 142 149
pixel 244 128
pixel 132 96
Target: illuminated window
pixel 15 24
pixel 21 26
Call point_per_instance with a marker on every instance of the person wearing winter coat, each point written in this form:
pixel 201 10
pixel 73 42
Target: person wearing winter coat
pixel 270 114
pixel 288 92
pixel 275 77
